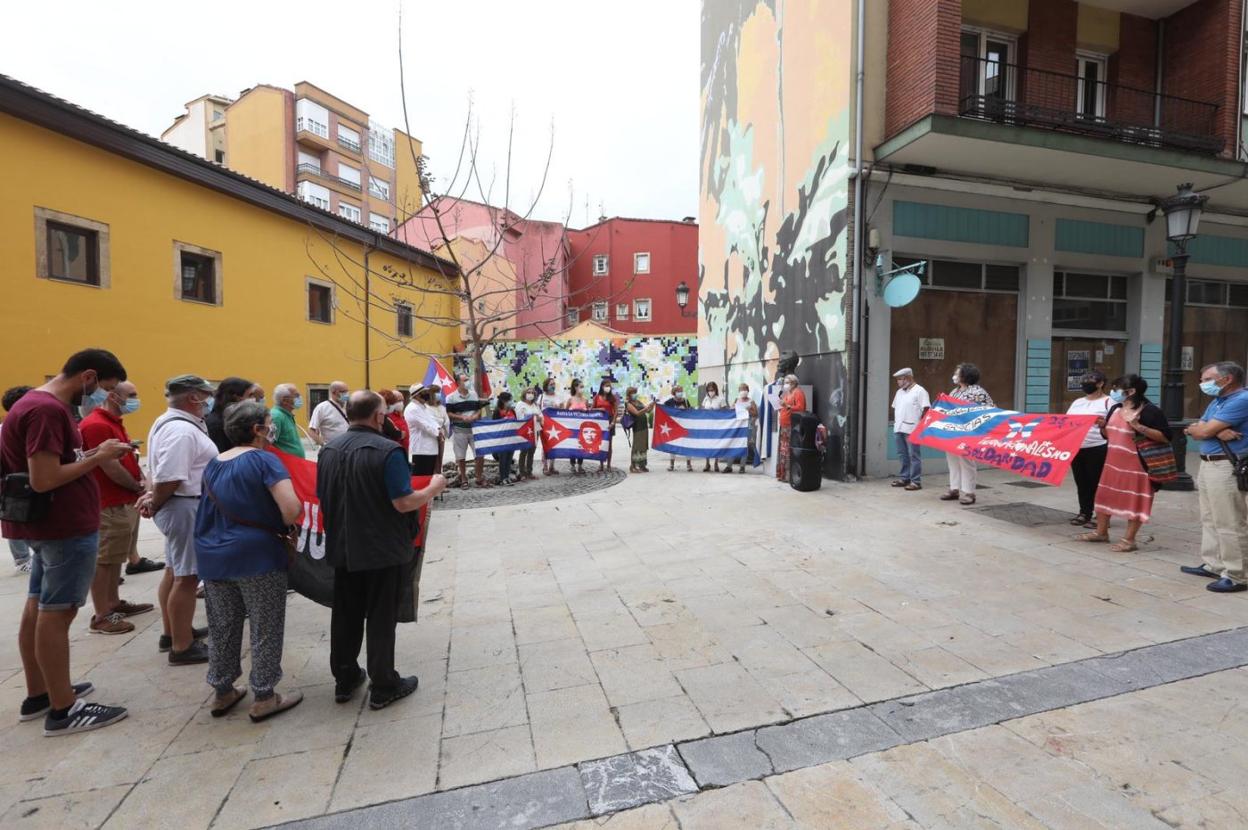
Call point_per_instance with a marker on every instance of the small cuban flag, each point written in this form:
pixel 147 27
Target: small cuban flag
pixel 436 375
pixel 701 433
pixel 503 435
pixel 575 433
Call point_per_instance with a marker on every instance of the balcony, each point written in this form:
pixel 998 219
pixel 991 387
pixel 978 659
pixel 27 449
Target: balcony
pixel 349 145
pixel 312 132
pixel 310 169
pixel 1024 97
pixel 338 183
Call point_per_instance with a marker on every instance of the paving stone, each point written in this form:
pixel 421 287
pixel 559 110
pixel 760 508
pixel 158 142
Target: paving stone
pixel 485 756
pixel 725 759
pixel 543 488
pixel 1168 662
pixel 824 738
pixel 635 778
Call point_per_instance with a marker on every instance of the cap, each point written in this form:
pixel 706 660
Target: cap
pixel 188 383
pixel 901 373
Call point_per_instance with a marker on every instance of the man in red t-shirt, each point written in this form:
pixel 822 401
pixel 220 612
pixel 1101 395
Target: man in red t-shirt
pixel 41 442
pixel 121 483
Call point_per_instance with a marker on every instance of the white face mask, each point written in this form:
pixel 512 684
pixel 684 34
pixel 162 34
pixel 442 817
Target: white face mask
pixel 955 378
pixel 528 396
pixel 396 407
pixel 744 394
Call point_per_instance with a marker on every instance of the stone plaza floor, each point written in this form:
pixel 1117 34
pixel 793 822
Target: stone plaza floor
pixel 722 651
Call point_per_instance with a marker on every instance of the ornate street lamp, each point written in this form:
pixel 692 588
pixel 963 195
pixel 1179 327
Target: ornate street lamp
pixel 682 299
pixel 1182 212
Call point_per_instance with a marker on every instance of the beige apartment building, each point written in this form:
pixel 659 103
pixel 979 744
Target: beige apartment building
pixel 309 143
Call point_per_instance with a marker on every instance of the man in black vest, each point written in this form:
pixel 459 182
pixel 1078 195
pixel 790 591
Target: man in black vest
pixel 370 514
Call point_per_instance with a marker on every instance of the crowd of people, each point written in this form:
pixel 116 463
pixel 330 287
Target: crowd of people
pixel 1112 474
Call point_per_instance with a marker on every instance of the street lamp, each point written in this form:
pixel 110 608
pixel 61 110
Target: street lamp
pixel 1182 212
pixel 682 299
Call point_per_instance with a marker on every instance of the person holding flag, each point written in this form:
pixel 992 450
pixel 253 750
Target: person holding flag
pixel 463 407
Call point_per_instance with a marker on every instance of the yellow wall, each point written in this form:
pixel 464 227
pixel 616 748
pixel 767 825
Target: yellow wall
pixel 260 331
pixel 1002 15
pixel 408 198
pixel 1098 29
pixel 256 136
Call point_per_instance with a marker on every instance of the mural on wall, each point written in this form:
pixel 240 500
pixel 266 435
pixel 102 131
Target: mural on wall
pixel 653 364
pixel 774 196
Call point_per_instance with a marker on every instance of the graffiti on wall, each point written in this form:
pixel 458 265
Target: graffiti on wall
pixel 652 364
pixel 774 196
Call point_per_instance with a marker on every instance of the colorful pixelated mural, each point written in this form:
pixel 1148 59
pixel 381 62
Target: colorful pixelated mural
pixel 774 196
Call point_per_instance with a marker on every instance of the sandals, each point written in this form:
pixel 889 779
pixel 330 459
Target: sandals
pixel 221 706
pixel 260 710
pixel 952 495
pixel 1092 537
pixel 966 501
pixel 1081 520
pixel 1123 546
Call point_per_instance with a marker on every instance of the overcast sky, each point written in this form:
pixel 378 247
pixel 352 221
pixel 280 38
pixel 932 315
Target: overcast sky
pixel 618 80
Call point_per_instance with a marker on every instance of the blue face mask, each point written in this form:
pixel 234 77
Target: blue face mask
pixel 1118 396
pixel 130 406
pixel 96 398
pixel 208 404
pixel 1211 388
pixel 298 402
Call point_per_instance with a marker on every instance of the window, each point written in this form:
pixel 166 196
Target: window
pixel 574 316
pixel 1214 293
pixel 379 188
pixel 311 117
pixel 197 274
pixel 349 138
pixel 381 144
pixel 1095 302
pixel 219 156
pixel 349 175
pixel 621 311
pixel 403 314
pixel 641 310
pixel 69 248
pixel 601 263
pixel 600 312
pixel 217 114
pixel 987 82
pixel 965 276
pixel 314 194
pixel 378 222
pixel 349 211
pixel 309 163
pixel 318 393
pixel 641 263
pixel 320 302
pixel 1090 96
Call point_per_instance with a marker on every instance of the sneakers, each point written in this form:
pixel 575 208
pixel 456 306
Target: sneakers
pixel 110 624
pixel 406 686
pixel 166 641
pixel 22 567
pixel 195 654
pixel 129 609
pixel 344 692
pixel 143 566
pixel 83 717
pixel 33 707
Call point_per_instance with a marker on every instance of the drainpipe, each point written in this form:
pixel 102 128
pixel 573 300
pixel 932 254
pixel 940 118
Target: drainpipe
pixel 368 304
pixel 1160 81
pixel 858 445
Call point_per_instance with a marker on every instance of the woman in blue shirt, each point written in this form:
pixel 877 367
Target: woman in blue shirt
pixel 247 504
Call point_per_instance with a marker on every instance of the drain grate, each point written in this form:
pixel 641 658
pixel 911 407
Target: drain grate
pixel 1027 484
pixel 1024 514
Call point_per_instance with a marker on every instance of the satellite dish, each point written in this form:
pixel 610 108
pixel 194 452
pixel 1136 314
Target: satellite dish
pixel 901 290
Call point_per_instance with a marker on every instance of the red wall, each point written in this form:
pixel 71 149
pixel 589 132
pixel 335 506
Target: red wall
pixel 923 61
pixel 1202 62
pixel 1134 65
pixel 673 249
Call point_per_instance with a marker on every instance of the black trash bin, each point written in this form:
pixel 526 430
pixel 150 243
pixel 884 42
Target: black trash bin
pixel 805 460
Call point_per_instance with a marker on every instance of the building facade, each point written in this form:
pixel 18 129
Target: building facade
pixel 624 274
pixel 1018 148
pixel 310 143
pixel 114 239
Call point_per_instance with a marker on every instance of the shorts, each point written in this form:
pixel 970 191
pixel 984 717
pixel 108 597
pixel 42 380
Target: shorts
pixel 461 440
pixel 61 571
pixel 119 534
pixel 176 519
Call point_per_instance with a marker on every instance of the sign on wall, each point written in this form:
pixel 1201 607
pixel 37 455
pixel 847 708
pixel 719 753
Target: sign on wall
pixel 1078 363
pixel 931 348
pixel 1188 361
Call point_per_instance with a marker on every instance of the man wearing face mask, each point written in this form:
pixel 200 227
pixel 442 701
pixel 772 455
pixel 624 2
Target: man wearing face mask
pixel 1223 435
pixel 909 404
pixel 179 449
pixel 287 401
pixel 461 432
pixel 120 483
pixel 370 512
pixel 41 443
pixel 679 401
pixel 329 419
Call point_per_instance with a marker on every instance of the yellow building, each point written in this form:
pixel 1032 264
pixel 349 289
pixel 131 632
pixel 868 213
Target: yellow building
pixel 111 238
pixel 311 143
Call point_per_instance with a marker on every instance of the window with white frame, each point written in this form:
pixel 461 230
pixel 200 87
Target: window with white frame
pixel 602 263
pixel 987 79
pixel 314 194
pixel 349 175
pixel 378 222
pixel 380 144
pixel 600 312
pixel 379 188
pixel 309 163
pixel 349 211
pixel 1090 101
pixel 641 310
pixel 349 137
pixel 311 117
pixel 621 311
pixel 641 263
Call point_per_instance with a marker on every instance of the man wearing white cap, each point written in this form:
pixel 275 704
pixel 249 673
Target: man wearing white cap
pixel 909 404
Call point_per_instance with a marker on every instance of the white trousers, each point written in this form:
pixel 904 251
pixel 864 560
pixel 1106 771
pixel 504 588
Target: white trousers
pixel 1223 520
pixel 962 474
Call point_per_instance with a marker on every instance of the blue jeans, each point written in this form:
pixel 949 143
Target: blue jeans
pixel 20 550
pixel 911 458
pixel 504 460
pixel 61 571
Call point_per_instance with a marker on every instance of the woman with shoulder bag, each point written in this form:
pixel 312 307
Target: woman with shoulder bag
pixel 1136 429
pixel 242 536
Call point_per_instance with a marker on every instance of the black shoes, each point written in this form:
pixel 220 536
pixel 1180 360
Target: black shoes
pixel 166 641
pixel 82 717
pixel 143 566
pixel 195 654
pixel 33 707
pixel 380 700
pixel 344 692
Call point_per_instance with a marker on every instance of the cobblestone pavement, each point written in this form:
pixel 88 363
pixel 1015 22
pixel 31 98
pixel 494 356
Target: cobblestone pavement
pixel 542 488
pixel 669 609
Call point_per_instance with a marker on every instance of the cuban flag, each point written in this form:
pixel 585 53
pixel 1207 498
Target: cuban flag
pixel 436 375
pixel 701 433
pixel 503 435
pixel 575 433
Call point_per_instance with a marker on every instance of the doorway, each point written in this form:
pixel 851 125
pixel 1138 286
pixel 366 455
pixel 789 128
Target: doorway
pixel 1073 357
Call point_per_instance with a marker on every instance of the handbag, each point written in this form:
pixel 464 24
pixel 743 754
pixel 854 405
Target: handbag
pixel 1239 467
pixel 289 537
pixel 20 502
pixel 1158 459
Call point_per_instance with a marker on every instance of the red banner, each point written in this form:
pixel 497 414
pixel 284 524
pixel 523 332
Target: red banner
pixel 1034 446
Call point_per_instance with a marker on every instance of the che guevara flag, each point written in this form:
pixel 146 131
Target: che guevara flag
pixel 503 435
pixel 701 433
pixel 1039 447
pixel 576 433
pixel 309 575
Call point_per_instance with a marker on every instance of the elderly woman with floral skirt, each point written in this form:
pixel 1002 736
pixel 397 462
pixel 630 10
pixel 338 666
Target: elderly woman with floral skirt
pixel 792 399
